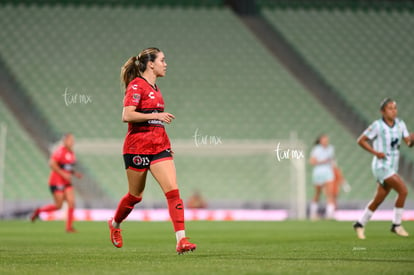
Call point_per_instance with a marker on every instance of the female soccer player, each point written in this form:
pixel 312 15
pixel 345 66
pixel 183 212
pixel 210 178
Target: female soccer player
pixel 322 157
pixel 62 164
pixel 386 134
pixel 146 145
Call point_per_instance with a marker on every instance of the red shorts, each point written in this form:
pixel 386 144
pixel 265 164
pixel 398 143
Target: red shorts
pixel 141 162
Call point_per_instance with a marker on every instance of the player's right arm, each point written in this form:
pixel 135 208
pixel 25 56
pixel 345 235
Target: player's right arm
pixel 313 160
pixel 54 165
pixel 132 100
pixel 369 134
pixel 129 114
pixel 363 142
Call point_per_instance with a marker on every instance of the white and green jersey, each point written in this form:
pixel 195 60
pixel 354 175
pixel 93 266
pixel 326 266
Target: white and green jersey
pixel 387 140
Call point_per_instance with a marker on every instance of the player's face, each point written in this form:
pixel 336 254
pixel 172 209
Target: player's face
pixel 160 66
pixel 69 141
pixel 390 111
pixel 324 141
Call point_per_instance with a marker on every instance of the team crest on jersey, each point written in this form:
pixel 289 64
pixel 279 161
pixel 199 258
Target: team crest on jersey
pixel 68 157
pixel 137 160
pixel 136 98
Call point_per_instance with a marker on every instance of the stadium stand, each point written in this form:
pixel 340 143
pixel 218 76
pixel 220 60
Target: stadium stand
pixel 362 48
pixel 220 80
pixel 25 171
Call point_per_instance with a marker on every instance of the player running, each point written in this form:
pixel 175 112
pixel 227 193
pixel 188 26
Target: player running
pixel 62 164
pixel 386 134
pixel 146 145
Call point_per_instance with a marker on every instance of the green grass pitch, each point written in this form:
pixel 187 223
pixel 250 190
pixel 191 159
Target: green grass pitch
pixel 291 247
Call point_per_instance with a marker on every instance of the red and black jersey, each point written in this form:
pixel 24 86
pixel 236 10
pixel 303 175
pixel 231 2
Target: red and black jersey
pixel 66 160
pixel 147 137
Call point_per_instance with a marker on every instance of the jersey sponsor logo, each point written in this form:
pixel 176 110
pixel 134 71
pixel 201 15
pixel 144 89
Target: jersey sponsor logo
pixel 67 167
pixel 151 95
pixel 155 122
pixel 394 142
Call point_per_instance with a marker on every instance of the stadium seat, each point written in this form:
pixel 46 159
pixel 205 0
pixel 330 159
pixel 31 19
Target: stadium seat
pixel 220 80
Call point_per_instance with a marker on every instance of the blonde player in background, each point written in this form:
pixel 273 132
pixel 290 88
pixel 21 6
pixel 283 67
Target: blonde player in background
pixel 386 134
pixel 62 163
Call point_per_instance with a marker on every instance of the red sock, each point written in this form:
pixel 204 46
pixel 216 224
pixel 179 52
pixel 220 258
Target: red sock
pixel 176 209
pixel 48 208
pixel 69 220
pixel 125 207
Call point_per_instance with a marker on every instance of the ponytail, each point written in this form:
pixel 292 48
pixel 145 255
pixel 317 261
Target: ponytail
pixel 136 65
pixel 129 71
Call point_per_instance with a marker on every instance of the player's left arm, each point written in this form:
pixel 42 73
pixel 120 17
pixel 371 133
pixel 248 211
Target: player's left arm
pixel 77 174
pixel 407 136
pixel 409 140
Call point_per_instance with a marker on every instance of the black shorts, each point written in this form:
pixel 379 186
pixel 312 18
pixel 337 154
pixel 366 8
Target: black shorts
pixel 59 188
pixel 143 162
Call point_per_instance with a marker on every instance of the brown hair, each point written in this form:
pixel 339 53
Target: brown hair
pixel 385 102
pixel 318 139
pixel 136 65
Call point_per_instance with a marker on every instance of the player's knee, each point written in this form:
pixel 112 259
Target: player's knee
pixel 403 192
pixel 375 204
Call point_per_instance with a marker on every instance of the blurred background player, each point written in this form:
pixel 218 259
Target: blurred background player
pixel 147 146
pixel 386 134
pixel 196 201
pixel 322 157
pixel 339 181
pixel 62 164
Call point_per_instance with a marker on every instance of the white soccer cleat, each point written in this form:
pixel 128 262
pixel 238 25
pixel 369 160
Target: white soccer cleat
pixel 399 230
pixel 360 230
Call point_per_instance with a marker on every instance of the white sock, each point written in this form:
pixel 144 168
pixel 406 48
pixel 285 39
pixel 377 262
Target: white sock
pixel 179 235
pixel 313 209
pixel 330 211
pixel 366 216
pixel 115 224
pixel 398 212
